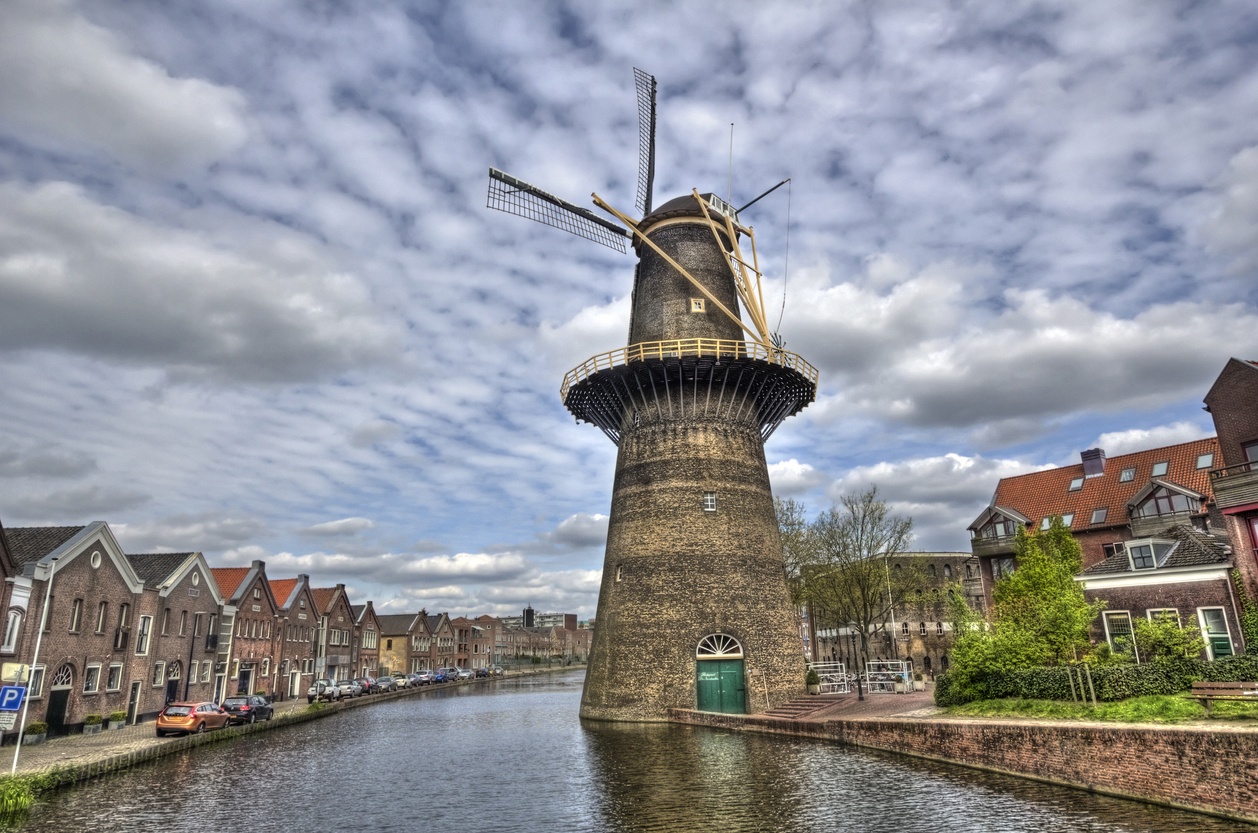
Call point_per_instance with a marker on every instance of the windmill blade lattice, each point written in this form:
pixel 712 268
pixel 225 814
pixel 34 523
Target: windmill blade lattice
pixel 646 138
pixel 515 196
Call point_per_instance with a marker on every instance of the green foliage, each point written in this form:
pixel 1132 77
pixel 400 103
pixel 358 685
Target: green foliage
pixel 1159 708
pixel 16 798
pixel 1163 638
pixel 92 720
pixel 117 717
pixel 811 678
pixel 1248 614
pixel 36 727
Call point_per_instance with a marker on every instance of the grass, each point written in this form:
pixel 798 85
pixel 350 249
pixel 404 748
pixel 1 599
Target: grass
pixel 1151 709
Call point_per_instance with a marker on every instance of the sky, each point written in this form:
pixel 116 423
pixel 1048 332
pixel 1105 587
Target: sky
pixel 252 302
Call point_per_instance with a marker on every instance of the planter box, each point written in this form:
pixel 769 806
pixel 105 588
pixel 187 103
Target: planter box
pixel 814 689
pixel 117 725
pixel 33 740
pixel 91 728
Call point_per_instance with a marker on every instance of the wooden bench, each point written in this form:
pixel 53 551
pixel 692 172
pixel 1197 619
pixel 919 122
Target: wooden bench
pixel 1207 693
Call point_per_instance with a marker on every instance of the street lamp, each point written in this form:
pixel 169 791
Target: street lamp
pixel 39 638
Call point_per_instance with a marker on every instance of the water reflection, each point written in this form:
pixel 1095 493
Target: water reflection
pixel 513 755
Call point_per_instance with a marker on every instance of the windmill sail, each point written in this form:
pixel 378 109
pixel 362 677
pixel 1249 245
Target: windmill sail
pixel 646 138
pixel 515 196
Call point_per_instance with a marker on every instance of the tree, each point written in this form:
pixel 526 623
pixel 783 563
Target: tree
pixel 846 578
pixel 797 543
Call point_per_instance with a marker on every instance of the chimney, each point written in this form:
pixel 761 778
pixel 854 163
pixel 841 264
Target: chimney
pixel 1093 462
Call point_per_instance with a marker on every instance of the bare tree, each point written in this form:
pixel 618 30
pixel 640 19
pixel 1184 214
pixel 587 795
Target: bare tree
pixel 848 581
pixel 798 550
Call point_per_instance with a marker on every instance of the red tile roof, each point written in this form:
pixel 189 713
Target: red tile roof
pixel 1045 493
pixel 282 589
pixel 323 598
pixel 229 579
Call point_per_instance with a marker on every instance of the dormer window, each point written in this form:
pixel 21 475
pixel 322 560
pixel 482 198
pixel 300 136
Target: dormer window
pixel 997 527
pixel 1159 469
pixel 1148 554
pixel 1162 501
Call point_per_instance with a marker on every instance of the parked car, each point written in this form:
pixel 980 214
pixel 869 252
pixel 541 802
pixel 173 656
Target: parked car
pixel 247 708
pixel 323 689
pixel 351 688
pixel 186 718
pixel 482 672
pixel 368 684
pixel 402 680
pixel 386 684
pixel 426 677
pixel 438 675
pixel 450 673
pixel 466 674
pixel 414 680
pixel 496 671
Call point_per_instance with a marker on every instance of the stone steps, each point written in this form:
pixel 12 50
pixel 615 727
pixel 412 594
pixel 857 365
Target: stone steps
pixel 798 708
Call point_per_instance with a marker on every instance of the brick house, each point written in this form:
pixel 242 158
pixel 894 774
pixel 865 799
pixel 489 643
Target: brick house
pixel 183 602
pixel 422 645
pixel 442 650
pixel 367 640
pixel 1180 572
pixel 92 654
pixel 296 632
pixel 396 630
pixel 474 644
pixel 250 613
pixel 335 647
pixel 1233 405
pixel 1104 502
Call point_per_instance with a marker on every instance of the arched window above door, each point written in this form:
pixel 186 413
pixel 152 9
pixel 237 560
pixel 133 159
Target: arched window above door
pixel 719 646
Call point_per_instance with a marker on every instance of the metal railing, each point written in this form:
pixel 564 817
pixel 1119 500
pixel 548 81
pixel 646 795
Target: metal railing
pixel 689 348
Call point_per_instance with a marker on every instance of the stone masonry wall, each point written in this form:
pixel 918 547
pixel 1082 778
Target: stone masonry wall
pixel 1200 768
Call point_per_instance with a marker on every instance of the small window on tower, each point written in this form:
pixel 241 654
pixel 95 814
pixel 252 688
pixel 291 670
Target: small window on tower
pixel 698 304
pixel 619 572
pixel 709 501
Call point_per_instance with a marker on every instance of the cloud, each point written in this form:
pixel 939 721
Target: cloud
pixel 88 501
pixel 578 531
pixel 343 527
pixel 82 277
pixel 791 477
pixel 1114 443
pixel 1232 229
pixel 190 534
pixel 29 463
pixel 78 86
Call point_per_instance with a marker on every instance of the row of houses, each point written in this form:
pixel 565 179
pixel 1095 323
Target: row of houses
pixel 127 633
pixel 1168 531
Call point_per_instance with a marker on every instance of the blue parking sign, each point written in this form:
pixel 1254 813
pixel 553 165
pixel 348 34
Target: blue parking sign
pixel 11 697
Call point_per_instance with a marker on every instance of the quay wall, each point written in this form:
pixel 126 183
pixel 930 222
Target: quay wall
pixel 1199 768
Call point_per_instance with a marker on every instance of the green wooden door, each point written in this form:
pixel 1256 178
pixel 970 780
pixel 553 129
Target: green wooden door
pixel 720 686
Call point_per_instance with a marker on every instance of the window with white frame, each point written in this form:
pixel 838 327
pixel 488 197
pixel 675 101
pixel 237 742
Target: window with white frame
pixel 36 687
pixel 1157 613
pixel 371 638
pixel 205 671
pixel 235 669
pixel 1148 553
pixel 91 679
pixel 939 629
pixel 1068 519
pixel 1099 515
pixel 102 614
pixel 1118 629
pixel 998 526
pixel 11 630
pixel 1159 469
pixel 709 501
pixel 1163 501
pixel 1126 475
pixel 1205 461
pixel 165 621
pixel 1214 629
pixel 159 673
pixel 183 623
pixel 194 670
pixel 76 615
pixel 1075 485
pixel 113 682
pixel 142 637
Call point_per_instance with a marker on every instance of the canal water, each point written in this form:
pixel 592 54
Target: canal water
pixel 512 755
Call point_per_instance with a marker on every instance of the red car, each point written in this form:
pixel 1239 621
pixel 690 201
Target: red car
pixel 186 718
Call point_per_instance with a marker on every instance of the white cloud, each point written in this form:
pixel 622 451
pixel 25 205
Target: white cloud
pixel 342 527
pixel 1232 229
pixel 78 85
pixel 1114 443
pixel 791 477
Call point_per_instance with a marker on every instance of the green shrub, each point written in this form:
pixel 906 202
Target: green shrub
pixel 36 727
pixel 92 720
pixel 118 717
pixel 16 798
pixel 811 678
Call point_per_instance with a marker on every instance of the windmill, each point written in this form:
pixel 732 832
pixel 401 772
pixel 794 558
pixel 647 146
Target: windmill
pixel 693 610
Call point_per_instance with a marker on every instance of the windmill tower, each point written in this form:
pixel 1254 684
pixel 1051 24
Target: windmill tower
pixel 693 611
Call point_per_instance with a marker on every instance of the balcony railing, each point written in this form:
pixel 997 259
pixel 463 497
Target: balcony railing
pixel 999 545
pixel 1235 485
pixel 1156 524
pixel 720 349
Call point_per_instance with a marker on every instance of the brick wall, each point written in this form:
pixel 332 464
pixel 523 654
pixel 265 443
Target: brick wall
pixel 1200 767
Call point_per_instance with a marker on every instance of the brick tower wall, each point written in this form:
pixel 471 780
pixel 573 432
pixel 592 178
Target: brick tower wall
pixel 673 572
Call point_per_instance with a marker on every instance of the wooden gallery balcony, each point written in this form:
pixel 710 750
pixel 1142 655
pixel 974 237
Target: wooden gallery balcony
pixel 1235 485
pixel 998 545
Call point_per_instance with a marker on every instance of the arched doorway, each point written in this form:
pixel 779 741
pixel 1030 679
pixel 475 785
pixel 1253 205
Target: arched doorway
pixel 719 684
pixel 58 697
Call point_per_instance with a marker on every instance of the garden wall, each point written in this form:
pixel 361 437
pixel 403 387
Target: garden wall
pixel 1201 768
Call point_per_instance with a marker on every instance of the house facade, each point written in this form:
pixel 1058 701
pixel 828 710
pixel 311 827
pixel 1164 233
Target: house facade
pixel 334 657
pixel 367 636
pixel 1233 405
pixel 246 641
pixel 296 632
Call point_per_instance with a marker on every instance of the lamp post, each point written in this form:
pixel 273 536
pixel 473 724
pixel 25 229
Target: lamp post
pixel 39 638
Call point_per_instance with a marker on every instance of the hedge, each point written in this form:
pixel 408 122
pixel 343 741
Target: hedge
pixel 1111 682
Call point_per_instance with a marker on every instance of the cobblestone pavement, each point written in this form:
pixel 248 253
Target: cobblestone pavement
pixel 78 749
pixel 916 703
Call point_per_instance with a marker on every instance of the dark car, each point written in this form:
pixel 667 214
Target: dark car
pixel 248 708
pixel 386 684
pixel 438 675
pixel 482 672
pixel 368 684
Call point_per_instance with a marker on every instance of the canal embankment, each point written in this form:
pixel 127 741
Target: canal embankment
pixel 1203 767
